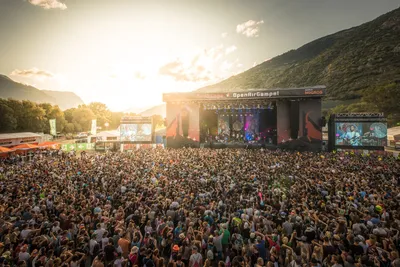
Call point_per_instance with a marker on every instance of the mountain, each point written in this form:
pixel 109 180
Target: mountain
pixel 156 110
pixel 19 91
pixel 346 62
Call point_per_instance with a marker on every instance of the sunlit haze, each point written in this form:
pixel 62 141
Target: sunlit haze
pixel 126 53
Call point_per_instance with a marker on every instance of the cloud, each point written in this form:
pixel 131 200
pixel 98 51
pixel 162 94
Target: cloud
pixel 215 52
pixel 34 72
pixel 224 34
pixel 230 49
pixel 249 28
pixel 48 4
pixel 198 68
pixel 204 66
pixel 182 73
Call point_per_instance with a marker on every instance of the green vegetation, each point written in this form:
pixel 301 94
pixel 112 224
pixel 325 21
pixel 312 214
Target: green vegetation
pixel 384 99
pixel 21 116
pixel 352 64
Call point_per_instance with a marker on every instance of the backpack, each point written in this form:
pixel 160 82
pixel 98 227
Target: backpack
pixel 148 262
pixel 197 261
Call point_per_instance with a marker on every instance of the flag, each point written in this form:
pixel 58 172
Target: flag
pixel 94 127
pixel 53 130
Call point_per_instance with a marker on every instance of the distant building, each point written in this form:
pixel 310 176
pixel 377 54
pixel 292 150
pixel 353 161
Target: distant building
pixel 15 139
pixel 394 136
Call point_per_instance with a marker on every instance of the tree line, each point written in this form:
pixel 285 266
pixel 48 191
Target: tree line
pixel 28 116
pixel 384 98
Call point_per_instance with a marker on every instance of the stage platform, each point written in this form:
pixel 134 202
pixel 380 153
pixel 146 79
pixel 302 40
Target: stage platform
pixel 292 117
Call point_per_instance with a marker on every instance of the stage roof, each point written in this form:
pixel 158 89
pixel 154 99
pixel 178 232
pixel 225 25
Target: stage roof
pixel 18 135
pixel 316 91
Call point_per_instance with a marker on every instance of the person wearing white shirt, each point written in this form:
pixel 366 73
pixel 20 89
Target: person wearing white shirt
pixel 99 233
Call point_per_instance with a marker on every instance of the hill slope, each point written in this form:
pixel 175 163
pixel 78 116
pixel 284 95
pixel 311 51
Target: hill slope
pixel 65 100
pixel 19 91
pixel 346 62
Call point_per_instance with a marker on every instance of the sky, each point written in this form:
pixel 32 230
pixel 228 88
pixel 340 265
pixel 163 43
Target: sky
pixel 126 53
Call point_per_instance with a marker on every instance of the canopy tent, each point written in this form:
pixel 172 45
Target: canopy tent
pixel 49 144
pixel 25 147
pixel 4 150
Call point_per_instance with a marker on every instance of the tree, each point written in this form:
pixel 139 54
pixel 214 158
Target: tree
pixel 101 112
pixel 158 121
pixel 53 112
pixel 31 117
pixel 68 114
pixel 82 118
pixel 386 99
pixel 354 108
pixel 115 119
pixel 69 128
pixel 8 122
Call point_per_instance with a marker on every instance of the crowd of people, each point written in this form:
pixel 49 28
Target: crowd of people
pixel 200 207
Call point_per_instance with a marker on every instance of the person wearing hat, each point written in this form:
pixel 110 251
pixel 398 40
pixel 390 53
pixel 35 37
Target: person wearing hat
pixel 174 252
pixel 134 256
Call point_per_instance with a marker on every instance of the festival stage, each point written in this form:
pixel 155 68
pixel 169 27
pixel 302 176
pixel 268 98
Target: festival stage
pixel 272 118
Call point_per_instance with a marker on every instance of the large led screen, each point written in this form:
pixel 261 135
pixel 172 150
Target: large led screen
pixel 136 132
pixel 361 134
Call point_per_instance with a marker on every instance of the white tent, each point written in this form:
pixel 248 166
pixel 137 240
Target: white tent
pixel 392 132
pixel 108 135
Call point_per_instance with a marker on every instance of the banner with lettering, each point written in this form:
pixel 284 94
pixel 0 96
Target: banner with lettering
pixel 77 147
pixel 93 130
pixel 53 130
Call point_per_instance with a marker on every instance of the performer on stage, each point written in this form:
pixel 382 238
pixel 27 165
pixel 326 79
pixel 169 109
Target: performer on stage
pixel 352 137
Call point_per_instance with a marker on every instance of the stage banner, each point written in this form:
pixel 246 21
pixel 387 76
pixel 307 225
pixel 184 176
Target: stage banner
pixel 93 130
pixel 53 130
pixel 317 91
pixel 67 147
pixel 77 147
pixel 85 146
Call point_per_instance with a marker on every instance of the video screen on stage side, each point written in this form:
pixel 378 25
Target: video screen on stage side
pixel 361 134
pixel 136 132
